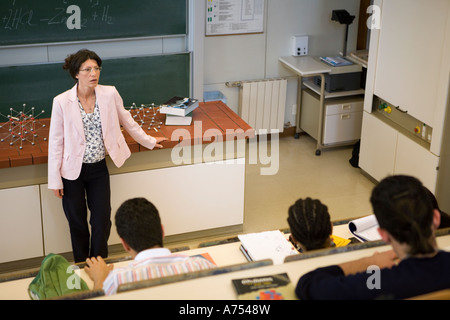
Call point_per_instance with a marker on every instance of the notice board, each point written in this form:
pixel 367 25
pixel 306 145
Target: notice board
pixel 225 17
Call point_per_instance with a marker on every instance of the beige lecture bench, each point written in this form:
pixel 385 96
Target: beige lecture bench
pixel 222 255
pixel 219 287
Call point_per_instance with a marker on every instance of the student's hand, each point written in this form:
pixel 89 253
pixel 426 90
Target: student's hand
pixel 386 259
pixel 159 140
pixel 97 270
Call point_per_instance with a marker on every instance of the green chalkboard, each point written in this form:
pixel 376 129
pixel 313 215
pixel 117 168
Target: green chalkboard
pixel 140 80
pixel 50 21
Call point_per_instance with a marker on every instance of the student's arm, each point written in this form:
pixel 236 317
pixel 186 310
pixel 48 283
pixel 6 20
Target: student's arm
pixel 385 259
pixel 332 282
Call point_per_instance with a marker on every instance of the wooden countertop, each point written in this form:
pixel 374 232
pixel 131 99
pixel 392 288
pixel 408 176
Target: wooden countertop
pixel 211 121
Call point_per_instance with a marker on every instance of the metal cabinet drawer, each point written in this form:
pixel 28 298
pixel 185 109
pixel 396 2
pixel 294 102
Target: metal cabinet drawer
pixel 342 127
pixel 346 107
pixel 343 121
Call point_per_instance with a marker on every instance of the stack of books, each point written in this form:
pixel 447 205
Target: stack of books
pixel 336 61
pixel 178 111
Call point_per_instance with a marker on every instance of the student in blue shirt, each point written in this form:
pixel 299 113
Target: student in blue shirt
pixel 407 221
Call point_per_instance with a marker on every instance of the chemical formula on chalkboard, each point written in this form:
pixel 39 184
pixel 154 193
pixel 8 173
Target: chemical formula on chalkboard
pixel 30 21
pixel 24 16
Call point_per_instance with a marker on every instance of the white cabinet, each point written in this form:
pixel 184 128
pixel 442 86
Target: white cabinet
pixel 343 121
pixel 410 55
pixel 342 118
pixel 189 198
pixel 417 161
pixel 20 224
pixel 385 151
pixel 55 226
pixel 378 147
pixel 56 232
pixel 409 67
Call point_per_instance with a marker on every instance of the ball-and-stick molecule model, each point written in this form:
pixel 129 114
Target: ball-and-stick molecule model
pixel 22 126
pixel 146 115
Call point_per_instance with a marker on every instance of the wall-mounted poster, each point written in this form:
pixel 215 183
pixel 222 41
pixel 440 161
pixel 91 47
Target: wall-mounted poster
pixel 225 17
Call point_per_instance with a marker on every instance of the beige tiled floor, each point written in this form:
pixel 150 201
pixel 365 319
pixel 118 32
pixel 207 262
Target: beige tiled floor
pixel 329 177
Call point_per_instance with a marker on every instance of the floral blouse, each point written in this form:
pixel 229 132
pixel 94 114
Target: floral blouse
pixel 95 150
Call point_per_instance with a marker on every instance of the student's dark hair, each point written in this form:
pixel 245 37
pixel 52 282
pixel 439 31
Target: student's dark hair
pixel 403 208
pixel 74 61
pixel 433 199
pixel 309 223
pixel 445 218
pixel 138 223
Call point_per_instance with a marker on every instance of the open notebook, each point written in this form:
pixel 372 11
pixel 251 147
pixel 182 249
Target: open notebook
pixel 266 245
pixel 365 228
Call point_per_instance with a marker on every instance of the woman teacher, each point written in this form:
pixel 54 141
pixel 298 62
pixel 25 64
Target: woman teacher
pixel 86 125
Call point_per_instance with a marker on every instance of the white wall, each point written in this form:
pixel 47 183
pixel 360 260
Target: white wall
pixel 255 56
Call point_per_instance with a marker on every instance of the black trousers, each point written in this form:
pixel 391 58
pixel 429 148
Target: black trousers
pixel 91 190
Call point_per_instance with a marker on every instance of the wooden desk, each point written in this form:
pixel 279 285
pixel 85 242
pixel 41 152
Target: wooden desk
pixel 215 193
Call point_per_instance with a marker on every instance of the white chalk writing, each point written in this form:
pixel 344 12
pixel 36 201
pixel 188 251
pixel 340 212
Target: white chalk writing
pixel 20 15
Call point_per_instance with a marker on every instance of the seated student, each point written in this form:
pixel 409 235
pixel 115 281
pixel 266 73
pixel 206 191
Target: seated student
pixel 310 225
pixel 139 227
pixel 407 221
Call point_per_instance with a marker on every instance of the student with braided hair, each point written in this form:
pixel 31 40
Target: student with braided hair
pixel 310 225
pixel 407 221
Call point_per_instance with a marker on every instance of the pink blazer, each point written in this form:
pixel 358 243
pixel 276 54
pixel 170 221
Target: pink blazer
pixel 67 141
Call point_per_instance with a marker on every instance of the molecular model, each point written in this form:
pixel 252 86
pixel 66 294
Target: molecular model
pixel 146 115
pixel 22 126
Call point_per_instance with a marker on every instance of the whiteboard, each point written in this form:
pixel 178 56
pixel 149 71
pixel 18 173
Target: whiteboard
pixel 225 17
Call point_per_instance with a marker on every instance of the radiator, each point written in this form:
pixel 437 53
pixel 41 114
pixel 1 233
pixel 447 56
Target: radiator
pixel 262 103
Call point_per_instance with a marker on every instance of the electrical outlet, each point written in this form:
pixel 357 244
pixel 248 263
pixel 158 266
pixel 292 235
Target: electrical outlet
pixel 300 45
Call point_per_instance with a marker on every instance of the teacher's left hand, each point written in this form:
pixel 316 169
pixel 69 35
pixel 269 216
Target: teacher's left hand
pixel 159 140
